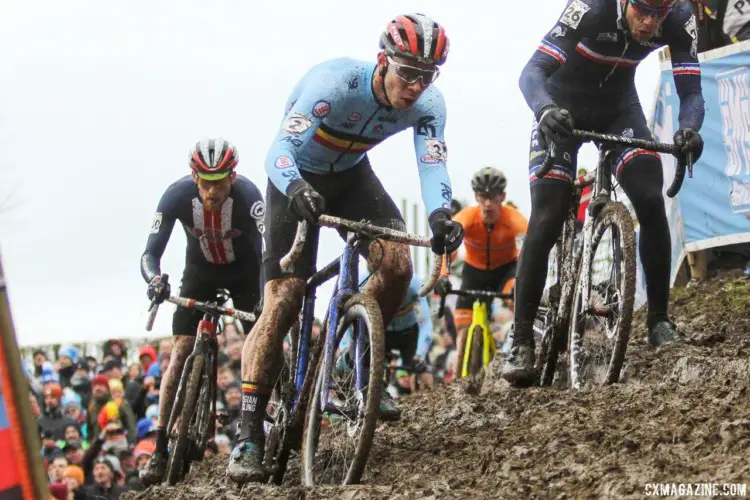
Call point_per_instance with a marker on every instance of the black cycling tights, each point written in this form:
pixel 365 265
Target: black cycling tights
pixel 642 180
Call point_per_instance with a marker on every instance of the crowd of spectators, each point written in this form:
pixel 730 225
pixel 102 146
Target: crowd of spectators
pixel 97 417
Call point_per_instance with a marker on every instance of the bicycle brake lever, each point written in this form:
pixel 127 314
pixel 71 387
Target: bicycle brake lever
pixel 689 162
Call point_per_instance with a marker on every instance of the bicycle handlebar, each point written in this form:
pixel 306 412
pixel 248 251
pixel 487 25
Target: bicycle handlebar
pixel 206 307
pixel 287 261
pixel 659 147
pixel 471 293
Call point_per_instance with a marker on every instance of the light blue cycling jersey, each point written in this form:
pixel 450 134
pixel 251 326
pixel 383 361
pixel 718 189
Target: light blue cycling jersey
pixel 332 119
pixel 405 318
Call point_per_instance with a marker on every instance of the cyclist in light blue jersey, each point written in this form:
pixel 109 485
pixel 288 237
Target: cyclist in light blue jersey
pixel 318 164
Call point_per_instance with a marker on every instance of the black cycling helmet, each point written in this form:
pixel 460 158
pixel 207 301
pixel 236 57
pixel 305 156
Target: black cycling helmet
pixel 488 180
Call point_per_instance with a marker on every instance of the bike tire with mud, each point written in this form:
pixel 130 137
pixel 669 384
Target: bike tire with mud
pixel 476 352
pixel 617 216
pixel 358 307
pixel 285 433
pixel 178 462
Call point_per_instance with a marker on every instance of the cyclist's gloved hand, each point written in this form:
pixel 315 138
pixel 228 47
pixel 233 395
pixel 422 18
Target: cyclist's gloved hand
pixel 443 286
pixel 158 290
pixel 447 234
pixel 304 201
pixel 418 365
pixel 555 125
pixel 689 141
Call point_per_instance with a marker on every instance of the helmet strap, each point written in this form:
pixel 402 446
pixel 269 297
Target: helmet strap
pixel 382 74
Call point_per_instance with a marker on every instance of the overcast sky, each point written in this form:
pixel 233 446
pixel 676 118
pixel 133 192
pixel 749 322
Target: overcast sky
pixel 101 101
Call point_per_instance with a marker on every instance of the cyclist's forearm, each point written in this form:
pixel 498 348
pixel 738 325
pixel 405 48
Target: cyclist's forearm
pixel 692 109
pixel 150 266
pixel 533 84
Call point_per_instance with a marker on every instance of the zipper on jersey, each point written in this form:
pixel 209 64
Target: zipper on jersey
pixel 490 227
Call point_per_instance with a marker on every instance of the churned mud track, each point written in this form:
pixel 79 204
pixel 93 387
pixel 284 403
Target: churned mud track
pixel 682 416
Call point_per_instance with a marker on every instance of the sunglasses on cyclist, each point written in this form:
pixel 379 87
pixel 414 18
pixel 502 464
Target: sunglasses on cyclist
pixel 646 10
pixel 410 74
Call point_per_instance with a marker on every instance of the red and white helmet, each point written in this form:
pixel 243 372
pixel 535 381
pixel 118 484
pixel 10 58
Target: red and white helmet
pixel 213 159
pixel 416 37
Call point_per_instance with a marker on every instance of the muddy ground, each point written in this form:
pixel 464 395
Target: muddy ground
pixel 682 416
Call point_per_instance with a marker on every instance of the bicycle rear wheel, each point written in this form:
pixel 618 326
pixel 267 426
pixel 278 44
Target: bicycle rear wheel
pixel 476 351
pixel 179 460
pixel 600 329
pixel 338 453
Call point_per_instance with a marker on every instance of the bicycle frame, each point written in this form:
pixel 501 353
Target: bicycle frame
pixel 346 286
pixel 479 318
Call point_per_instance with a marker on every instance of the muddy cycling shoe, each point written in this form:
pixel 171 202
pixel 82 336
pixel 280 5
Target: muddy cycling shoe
pixel 246 463
pixel 389 410
pixel 519 366
pixel 155 469
pixel 661 333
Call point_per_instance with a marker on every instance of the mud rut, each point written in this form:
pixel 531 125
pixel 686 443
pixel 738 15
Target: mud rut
pixel 683 415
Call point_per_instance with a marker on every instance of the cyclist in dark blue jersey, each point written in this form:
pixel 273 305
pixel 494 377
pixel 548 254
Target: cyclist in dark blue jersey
pixel 318 163
pixel 583 72
pixel 221 213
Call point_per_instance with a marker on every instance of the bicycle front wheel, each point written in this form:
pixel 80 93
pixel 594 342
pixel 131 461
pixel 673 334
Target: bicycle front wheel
pixel 179 459
pixel 339 431
pixel 475 351
pixel 600 326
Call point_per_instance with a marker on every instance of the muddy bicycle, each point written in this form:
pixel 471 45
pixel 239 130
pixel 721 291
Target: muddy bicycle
pixel 310 395
pixel 192 420
pixel 480 347
pixel 592 320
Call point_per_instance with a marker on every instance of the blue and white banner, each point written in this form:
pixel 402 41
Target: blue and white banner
pixel 713 206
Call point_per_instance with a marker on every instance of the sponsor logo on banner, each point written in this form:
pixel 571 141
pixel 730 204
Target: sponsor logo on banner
pixel 734 103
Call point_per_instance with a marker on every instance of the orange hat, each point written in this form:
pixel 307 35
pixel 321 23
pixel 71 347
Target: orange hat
pixel 145 447
pixel 54 390
pixel 109 411
pixel 75 472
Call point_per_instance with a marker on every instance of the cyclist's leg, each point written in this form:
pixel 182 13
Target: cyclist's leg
pixel 550 197
pixel 364 197
pixel 262 352
pixel 640 175
pixel 184 326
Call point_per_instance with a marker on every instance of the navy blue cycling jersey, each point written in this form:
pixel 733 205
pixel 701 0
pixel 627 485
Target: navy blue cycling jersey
pixel 231 236
pixel 588 60
pixel 332 119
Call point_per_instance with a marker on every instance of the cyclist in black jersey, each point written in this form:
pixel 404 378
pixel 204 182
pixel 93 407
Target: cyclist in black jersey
pixel 222 215
pixel 583 72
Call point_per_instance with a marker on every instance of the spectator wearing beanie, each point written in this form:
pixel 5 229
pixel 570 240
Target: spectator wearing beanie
pixel 73 410
pixel 74 452
pixel 99 397
pixel 81 383
pixel 147 355
pixel 67 358
pixel 126 414
pixel 50 449
pixel 105 480
pixel 74 480
pixel 58 491
pixel 52 418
